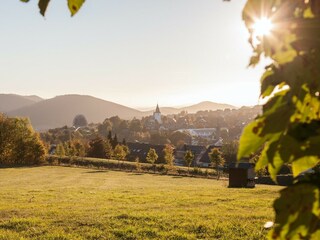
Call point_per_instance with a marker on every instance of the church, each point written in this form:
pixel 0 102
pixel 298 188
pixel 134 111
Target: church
pixel 157 115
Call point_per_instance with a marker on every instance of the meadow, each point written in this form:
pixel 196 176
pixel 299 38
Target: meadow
pixel 77 203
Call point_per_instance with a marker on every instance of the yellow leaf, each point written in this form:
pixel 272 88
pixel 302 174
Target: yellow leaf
pixel 284 57
pixel 75 5
pixel 303 164
pixel 308 13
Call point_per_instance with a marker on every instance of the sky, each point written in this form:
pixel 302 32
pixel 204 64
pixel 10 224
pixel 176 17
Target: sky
pixel 133 52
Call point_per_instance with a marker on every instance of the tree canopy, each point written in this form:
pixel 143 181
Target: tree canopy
pixel 19 144
pixel 288 130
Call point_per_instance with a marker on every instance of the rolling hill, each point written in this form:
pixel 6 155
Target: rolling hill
pixel 202 106
pixel 10 102
pixel 207 105
pixel 60 111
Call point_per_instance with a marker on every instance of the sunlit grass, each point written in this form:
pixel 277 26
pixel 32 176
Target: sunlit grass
pixel 72 203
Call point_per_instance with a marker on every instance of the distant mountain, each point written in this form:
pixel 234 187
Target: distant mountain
pixel 202 106
pixel 10 102
pixel 34 98
pixel 60 111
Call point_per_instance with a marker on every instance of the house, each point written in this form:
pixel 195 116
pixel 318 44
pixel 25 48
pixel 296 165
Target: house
pixel 140 150
pixel 197 151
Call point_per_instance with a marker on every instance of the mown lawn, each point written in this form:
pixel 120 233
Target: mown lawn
pixel 74 203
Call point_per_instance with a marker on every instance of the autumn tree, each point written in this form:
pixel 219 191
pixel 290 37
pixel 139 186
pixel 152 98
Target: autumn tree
pixel 168 154
pixel 152 157
pixel 188 158
pixel 80 149
pixel 119 153
pixel 217 160
pixel 108 149
pixel 70 149
pixel 138 164
pixel 97 148
pixel 19 144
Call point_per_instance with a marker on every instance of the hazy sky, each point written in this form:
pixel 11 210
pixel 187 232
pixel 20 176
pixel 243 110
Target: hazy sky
pixel 134 52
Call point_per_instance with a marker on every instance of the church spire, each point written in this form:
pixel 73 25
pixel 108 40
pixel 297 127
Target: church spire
pixel 157 109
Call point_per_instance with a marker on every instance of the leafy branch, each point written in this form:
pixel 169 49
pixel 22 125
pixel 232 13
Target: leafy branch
pixel 289 128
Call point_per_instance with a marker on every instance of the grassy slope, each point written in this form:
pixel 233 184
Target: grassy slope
pixel 71 203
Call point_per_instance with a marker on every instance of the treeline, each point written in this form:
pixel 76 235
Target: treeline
pixel 98 147
pixel 19 144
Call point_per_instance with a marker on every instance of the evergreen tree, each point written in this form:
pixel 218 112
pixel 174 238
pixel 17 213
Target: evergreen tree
pixel 114 141
pixel 109 137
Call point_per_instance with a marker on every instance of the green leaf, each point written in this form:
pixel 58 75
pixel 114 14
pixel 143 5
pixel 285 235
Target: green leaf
pixel 303 164
pixel 43 4
pixel 297 212
pixel 24 1
pixel 250 140
pixel 274 166
pixel 285 57
pixel 268 83
pixel 75 5
pixel 270 157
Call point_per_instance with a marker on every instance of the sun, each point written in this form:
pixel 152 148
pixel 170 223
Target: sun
pixel 262 27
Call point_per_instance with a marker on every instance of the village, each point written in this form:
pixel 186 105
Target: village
pixel 198 133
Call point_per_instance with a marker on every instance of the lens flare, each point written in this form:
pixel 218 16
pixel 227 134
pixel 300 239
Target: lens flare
pixel 262 26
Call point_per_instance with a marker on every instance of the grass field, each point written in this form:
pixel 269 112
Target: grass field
pixel 74 203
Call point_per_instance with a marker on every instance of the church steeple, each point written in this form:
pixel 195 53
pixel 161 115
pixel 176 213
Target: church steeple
pixel 157 115
pixel 157 109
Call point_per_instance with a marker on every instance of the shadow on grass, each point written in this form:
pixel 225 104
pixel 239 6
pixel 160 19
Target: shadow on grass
pixel 20 166
pixel 97 171
pixel 137 174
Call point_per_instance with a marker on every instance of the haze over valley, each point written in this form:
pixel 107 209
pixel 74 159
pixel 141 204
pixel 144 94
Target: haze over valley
pixel 60 110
